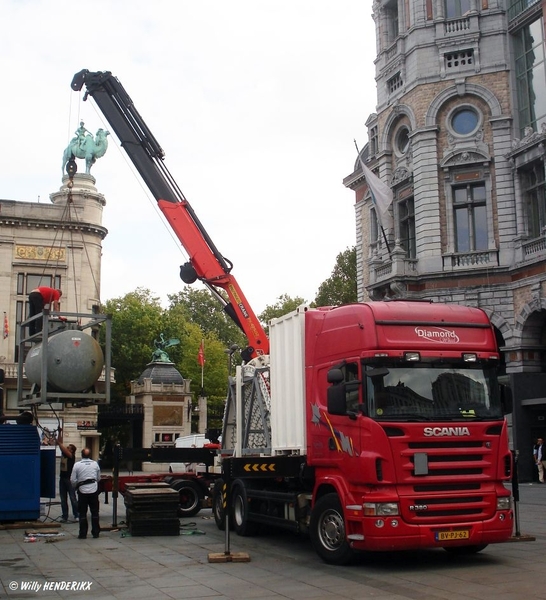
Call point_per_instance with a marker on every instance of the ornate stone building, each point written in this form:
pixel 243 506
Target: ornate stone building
pixel 55 244
pixel 459 136
pixel 167 403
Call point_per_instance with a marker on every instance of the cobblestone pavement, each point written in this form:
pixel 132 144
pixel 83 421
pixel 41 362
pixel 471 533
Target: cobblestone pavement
pixel 281 566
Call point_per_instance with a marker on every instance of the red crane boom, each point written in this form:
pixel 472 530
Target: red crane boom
pixel 206 263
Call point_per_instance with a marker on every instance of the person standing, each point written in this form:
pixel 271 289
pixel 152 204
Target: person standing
pixel 40 298
pixel 66 490
pixel 539 455
pixel 85 478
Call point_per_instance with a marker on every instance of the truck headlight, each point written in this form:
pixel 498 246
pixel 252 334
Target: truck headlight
pixel 384 509
pixel 504 503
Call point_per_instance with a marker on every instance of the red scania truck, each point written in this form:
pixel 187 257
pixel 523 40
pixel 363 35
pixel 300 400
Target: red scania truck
pixel 373 426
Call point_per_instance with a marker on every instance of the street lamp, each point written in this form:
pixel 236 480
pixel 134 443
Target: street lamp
pixel 230 352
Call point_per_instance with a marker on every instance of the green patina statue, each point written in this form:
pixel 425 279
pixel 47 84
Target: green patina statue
pixel 159 354
pixel 83 145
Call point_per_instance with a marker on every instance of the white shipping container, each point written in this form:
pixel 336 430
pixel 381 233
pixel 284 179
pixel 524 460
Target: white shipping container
pixel 287 372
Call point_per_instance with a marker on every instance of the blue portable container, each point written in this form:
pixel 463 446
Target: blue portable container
pixel 19 473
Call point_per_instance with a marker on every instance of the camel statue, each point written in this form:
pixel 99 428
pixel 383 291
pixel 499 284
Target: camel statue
pixel 84 146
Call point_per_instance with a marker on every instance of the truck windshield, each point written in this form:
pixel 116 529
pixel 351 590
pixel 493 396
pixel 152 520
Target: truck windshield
pixel 430 392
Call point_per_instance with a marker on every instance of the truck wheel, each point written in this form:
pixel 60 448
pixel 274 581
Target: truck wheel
pixel 218 504
pixel 190 496
pixel 327 531
pixel 465 550
pixel 240 510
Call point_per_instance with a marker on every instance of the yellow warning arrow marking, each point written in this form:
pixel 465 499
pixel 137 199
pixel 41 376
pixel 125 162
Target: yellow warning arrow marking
pixel 259 467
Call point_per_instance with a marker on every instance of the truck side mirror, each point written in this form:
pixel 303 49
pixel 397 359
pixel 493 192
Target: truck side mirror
pixel 507 402
pixel 336 399
pixel 336 394
pixel 335 375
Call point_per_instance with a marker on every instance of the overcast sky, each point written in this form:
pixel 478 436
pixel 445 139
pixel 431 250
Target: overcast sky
pixel 255 103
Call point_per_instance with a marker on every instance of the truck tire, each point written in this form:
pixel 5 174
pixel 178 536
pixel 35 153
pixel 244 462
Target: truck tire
pixel 240 509
pixel 218 504
pixel 190 496
pixel 327 531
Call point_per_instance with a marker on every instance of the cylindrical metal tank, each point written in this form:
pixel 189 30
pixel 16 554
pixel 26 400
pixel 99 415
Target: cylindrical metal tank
pixel 74 362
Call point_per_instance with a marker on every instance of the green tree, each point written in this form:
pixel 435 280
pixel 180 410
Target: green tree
pixel 201 308
pixel 283 306
pixel 340 287
pixel 185 355
pixel 136 322
pixel 218 331
pixel 215 373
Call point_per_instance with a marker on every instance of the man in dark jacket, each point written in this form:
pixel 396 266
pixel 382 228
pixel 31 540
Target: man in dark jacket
pixel 66 490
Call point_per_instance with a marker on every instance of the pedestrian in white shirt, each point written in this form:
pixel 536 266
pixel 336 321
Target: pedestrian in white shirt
pixel 85 479
pixel 539 454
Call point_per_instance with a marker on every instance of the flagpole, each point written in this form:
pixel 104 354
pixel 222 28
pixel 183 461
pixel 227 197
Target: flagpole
pixel 202 362
pixel 377 208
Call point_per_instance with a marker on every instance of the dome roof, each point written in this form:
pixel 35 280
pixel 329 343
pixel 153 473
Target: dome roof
pixel 161 372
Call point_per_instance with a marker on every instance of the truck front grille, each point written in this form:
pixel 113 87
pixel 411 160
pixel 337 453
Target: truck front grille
pixel 443 479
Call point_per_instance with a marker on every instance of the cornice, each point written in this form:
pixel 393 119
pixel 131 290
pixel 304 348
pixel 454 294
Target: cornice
pixel 29 222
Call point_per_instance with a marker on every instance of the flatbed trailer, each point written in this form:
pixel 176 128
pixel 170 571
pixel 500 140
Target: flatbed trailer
pixel 194 488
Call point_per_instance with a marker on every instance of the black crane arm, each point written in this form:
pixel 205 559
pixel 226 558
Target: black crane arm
pixel 206 262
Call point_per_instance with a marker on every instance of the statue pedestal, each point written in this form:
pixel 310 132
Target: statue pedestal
pixel 81 181
pixel 84 196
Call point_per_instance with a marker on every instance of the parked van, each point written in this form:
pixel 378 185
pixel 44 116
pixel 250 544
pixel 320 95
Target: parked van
pixel 197 440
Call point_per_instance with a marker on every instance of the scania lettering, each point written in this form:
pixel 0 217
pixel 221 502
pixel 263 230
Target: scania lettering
pixel 445 431
pixel 373 426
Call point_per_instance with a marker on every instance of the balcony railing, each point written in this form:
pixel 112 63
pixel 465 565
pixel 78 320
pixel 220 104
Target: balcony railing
pixel 399 266
pixel 383 271
pixel 534 248
pixel 465 260
pixel 457 25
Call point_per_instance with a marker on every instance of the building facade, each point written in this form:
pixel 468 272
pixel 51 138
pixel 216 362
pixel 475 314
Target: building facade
pixel 459 136
pixel 56 244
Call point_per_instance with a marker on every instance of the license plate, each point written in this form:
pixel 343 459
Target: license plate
pixel 445 536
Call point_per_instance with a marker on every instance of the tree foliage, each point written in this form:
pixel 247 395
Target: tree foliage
pixel 138 320
pixel 283 306
pixel 193 316
pixel 201 308
pixel 340 287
